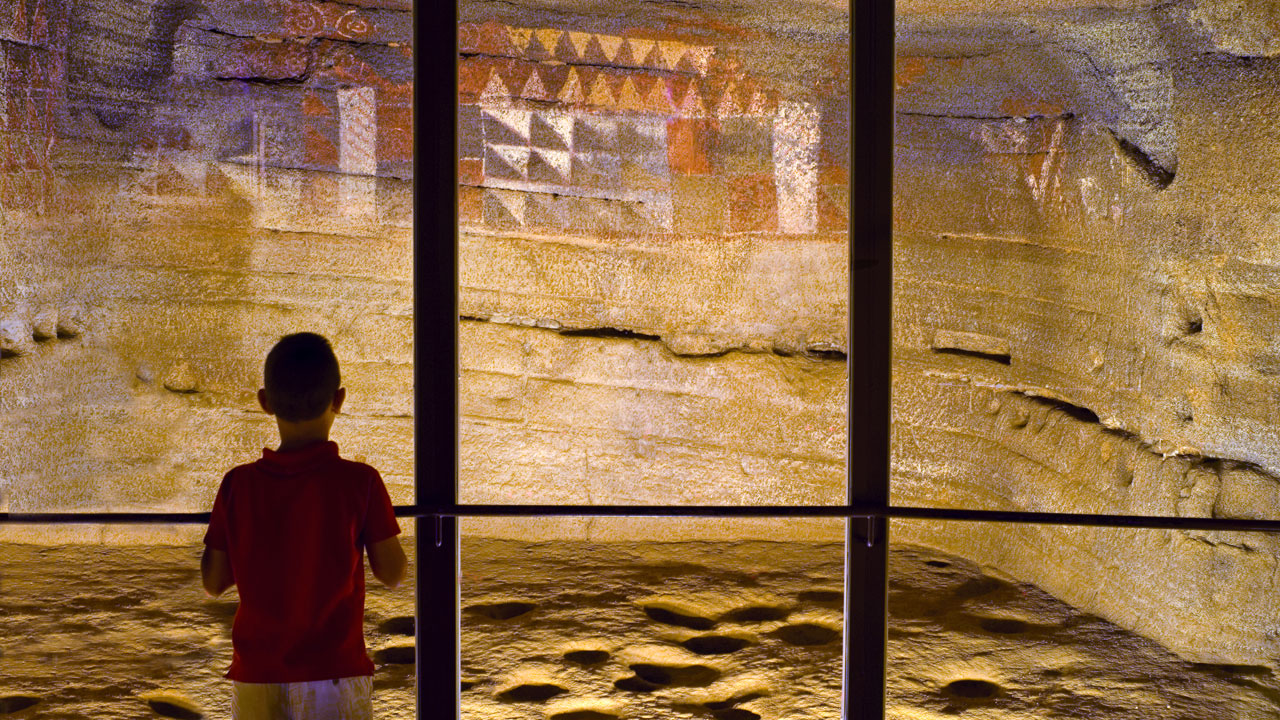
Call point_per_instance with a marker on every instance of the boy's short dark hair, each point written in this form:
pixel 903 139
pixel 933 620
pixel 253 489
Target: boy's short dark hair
pixel 301 376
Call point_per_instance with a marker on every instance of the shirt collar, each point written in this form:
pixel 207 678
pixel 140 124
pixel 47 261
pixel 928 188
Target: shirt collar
pixel 302 456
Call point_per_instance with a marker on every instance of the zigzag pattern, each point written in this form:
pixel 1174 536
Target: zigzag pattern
pixel 572 47
pixel 518 209
pixel 494 82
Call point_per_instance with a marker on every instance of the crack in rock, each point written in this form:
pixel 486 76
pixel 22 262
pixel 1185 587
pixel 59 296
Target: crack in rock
pixel 816 352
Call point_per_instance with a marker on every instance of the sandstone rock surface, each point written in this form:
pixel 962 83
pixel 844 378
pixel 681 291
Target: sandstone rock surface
pixel 1085 216
pixel 652 257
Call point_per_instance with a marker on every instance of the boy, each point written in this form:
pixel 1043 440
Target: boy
pixel 290 530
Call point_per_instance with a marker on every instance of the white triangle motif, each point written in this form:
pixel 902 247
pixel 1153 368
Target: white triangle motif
pixel 495 89
pixel 533 87
pixel 515 156
pixel 558 159
pixel 514 119
pixel 561 123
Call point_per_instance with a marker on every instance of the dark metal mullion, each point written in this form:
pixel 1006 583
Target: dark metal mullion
pixel 870 312
pixel 435 354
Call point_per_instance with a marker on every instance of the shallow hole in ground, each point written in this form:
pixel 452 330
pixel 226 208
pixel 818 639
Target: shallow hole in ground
pixel 172 709
pixel 15 703
pixel 586 657
pixel 937 563
pixel 1227 671
pixel 396 655
pixel 757 613
pixel 635 684
pixel 977 587
pixel 822 597
pixel 676 675
pixel 584 715
pixel 222 610
pixel 726 704
pixel 969 689
pixel 531 692
pixel 502 610
pixel 671 617
pixel 403 625
pixel 807 634
pixel 714 644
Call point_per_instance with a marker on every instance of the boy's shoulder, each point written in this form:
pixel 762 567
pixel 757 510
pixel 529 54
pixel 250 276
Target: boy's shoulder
pixel 333 464
pixel 354 466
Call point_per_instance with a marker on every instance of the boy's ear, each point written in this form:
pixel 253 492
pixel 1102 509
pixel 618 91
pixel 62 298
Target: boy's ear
pixel 262 401
pixel 339 395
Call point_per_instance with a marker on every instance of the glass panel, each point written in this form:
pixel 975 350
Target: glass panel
pixel 126 631
pixel 651 618
pixel 222 176
pixel 1083 319
pixel 653 252
pixel 1035 621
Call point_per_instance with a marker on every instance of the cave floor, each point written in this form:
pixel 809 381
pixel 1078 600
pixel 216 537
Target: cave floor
pixel 582 631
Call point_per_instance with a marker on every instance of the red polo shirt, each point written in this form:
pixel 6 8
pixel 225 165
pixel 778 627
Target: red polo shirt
pixel 294 525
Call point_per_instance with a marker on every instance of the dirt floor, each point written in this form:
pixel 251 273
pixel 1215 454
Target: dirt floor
pixel 581 631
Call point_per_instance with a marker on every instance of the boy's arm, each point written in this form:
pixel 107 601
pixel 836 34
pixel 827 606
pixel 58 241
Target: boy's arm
pixel 215 571
pixel 387 561
pixel 215 564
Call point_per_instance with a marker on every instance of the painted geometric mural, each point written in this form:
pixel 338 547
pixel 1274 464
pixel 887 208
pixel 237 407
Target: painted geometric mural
pixel 596 133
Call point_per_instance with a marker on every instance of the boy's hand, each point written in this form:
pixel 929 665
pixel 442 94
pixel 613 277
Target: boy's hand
pixel 215 571
pixel 387 561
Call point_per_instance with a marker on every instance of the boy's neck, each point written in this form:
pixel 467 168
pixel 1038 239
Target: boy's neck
pixel 298 435
pixel 293 444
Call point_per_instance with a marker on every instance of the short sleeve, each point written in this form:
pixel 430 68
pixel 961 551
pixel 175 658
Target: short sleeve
pixel 216 536
pixel 380 517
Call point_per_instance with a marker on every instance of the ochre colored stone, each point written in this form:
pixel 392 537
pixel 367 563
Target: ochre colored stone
pixel 701 204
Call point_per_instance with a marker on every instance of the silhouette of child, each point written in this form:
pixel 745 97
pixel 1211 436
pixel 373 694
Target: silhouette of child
pixel 290 530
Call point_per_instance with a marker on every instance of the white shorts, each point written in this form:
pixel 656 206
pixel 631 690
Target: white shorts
pixel 348 698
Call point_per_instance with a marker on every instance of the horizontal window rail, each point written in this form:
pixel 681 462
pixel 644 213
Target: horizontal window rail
pixel 1156 522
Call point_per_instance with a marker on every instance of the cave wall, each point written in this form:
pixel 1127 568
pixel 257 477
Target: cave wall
pixel 1085 311
pixel 181 184
pixel 653 210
